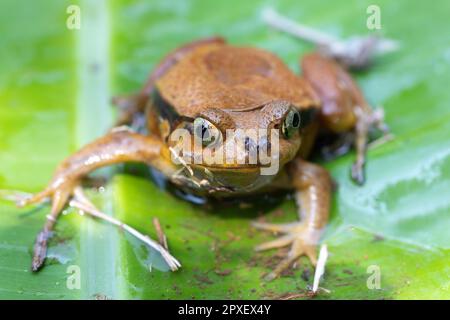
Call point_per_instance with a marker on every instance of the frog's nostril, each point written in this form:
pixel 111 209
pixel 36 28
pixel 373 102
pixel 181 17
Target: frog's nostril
pixel 263 144
pixel 251 151
pixel 253 148
pixel 250 145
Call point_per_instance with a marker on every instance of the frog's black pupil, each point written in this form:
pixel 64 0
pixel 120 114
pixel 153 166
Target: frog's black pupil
pixel 296 120
pixel 247 144
pixel 205 132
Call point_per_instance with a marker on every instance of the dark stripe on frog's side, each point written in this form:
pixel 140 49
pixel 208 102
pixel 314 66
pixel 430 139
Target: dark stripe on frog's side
pixel 163 109
pixel 307 116
pixel 308 131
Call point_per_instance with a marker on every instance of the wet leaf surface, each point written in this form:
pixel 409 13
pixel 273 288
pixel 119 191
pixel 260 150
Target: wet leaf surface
pixel 55 86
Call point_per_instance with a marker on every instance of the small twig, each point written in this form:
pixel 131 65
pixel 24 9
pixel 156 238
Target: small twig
pixel 324 290
pixel 277 21
pixel 81 202
pixel 161 236
pixel 354 52
pixel 320 268
pixel 294 296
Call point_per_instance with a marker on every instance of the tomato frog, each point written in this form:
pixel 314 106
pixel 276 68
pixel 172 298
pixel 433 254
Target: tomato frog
pixel 207 88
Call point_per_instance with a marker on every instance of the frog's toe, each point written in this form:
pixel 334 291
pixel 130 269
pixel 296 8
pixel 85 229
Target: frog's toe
pixel 59 196
pixel 278 243
pixel 298 249
pixel 302 238
pixel 357 173
pixel 274 227
pixel 303 248
pixel 28 199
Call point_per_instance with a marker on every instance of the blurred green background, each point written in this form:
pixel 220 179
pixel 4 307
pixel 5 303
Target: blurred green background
pixel 55 88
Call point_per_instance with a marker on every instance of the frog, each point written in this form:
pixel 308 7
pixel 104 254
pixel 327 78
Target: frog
pixel 207 87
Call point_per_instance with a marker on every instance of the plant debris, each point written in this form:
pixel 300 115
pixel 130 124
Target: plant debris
pixel 355 52
pixel 224 272
pixel 161 236
pixel 82 203
pixel 320 268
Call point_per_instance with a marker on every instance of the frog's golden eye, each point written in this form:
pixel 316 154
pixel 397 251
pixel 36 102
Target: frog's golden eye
pixel 291 123
pixel 206 132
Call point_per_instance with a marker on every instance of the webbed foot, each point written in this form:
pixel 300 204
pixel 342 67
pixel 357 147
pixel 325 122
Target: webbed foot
pixel 367 119
pixel 301 238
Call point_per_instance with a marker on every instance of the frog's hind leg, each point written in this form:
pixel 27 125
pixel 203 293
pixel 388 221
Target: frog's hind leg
pixel 334 146
pixel 313 189
pixel 344 107
pixel 115 147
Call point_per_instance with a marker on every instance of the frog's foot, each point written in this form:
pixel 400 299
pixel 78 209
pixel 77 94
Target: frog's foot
pixel 58 194
pixel 130 108
pixel 367 119
pixel 301 238
pixel 340 146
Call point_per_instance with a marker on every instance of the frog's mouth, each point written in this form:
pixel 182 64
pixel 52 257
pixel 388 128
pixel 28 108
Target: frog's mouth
pixel 212 179
pixel 229 177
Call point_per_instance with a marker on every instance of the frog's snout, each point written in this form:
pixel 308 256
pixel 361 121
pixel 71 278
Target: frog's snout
pixel 261 144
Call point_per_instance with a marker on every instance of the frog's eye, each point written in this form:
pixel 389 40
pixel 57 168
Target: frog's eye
pixel 291 123
pixel 206 132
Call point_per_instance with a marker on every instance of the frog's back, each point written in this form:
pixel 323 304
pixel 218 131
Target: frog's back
pixel 234 78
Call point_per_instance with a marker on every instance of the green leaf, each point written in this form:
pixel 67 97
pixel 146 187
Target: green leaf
pixel 55 88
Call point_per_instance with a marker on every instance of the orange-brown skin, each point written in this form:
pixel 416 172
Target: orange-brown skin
pixel 232 88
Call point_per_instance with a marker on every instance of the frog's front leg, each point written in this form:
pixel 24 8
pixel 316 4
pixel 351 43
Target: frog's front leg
pixel 344 107
pixel 115 147
pixel 313 187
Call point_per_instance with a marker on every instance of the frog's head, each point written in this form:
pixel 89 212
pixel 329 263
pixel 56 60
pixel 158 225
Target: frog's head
pixel 239 149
